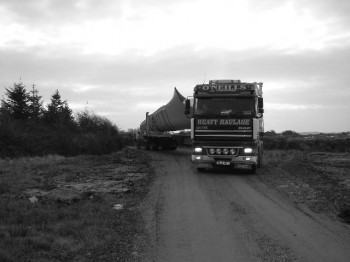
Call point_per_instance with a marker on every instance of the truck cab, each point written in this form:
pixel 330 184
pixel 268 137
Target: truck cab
pixel 227 125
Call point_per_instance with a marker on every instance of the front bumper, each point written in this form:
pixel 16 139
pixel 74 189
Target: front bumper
pixel 243 162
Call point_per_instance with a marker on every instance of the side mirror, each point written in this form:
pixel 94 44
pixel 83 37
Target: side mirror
pixel 260 105
pixel 187 106
pixel 260 102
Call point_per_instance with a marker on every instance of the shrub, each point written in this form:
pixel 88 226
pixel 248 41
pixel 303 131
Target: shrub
pixel 336 144
pixel 36 138
pixel 27 129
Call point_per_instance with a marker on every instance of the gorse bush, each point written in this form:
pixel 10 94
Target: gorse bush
pixel 28 129
pixel 95 123
pixel 291 140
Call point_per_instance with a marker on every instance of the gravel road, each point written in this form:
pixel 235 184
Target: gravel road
pixel 231 216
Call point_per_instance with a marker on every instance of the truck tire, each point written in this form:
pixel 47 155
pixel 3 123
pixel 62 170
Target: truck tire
pixel 260 158
pixel 259 164
pixel 253 170
pixel 154 147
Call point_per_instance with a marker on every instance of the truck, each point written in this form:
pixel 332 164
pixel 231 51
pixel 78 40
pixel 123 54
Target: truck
pixel 227 124
pixel 156 131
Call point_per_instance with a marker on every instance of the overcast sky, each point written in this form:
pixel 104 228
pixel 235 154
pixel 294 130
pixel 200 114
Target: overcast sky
pixel 123 58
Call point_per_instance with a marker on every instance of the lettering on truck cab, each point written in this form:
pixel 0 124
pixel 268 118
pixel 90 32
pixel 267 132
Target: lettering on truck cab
pixel 226 122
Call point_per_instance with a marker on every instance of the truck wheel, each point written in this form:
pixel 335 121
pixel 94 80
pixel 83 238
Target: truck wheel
pixel 260 159
pixel 200 169
pixel 259 164
pixel 253 170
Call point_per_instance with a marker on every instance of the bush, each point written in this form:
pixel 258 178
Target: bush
pixel 37 138
pixel 91 122
pixel 300 143
pixel 28 129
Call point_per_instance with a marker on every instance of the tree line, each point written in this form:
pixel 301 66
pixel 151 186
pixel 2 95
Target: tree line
pixel 19 104
pixel 28 128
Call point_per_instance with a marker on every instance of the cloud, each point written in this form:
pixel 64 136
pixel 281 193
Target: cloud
pixel 276 106
pixel 124 58
pixel 114 27
pixel 311 76
pixel 51 12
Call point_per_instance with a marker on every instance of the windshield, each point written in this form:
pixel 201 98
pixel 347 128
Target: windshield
pixel 225 106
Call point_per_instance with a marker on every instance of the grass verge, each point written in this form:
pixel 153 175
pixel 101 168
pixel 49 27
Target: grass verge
pixel 56 226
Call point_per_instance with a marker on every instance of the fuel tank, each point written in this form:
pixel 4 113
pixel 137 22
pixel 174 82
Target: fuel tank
pixel 170 117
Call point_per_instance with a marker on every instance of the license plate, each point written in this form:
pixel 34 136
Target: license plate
pixel 223 163
pixel 243 166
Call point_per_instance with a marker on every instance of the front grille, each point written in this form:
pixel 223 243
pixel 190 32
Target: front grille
pixel 222 135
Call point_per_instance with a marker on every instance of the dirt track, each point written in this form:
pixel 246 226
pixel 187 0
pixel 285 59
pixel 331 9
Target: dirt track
pixel 225 216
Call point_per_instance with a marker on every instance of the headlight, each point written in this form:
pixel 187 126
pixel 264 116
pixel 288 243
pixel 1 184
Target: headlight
pixel 212 151
pixel 248 150
pixel 198 150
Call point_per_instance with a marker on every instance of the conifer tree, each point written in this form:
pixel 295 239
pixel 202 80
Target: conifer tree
pixel 58 111
pixel 16 103
pixel 35 104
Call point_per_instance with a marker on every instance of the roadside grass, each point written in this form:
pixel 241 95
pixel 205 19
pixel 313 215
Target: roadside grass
pixel 88 229
pixel 57 232
pixel 319 180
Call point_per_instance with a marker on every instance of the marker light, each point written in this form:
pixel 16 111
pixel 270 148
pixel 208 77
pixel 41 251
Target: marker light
pixel 248 150
pixel 232 151
pixel 225 151
pixel 198 150
pixel 218 151
pixel 212 151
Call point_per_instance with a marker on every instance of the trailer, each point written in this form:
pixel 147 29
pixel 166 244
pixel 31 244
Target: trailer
pixel 156 130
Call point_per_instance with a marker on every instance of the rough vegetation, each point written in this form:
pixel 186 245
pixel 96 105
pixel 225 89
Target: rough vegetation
pixel 319 181
pixel 287 140
pixel 313 169
pixel 81 208
pixel 87 208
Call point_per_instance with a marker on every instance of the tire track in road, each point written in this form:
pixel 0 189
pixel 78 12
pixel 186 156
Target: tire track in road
pixel 257 245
